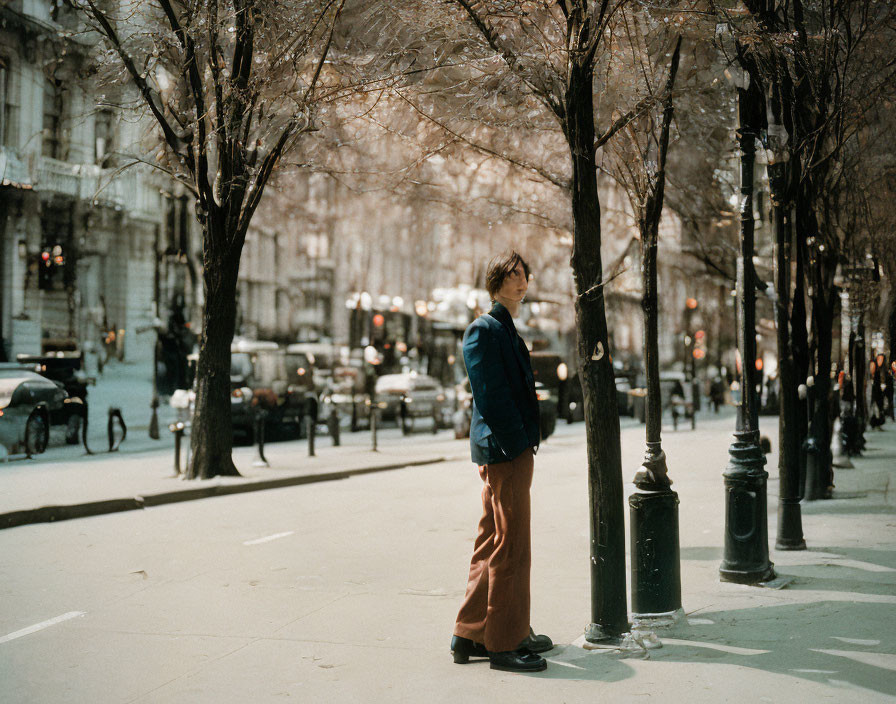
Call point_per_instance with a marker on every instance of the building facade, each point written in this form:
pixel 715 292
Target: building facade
pixel 78 233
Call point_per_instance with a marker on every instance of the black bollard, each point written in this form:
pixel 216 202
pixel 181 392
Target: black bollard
pixel 811 451
pixel 178 430
pixel 656 567
pixel 333 427
pixel 260 415
pixel 312 431
pixel 115 415
pixel 373 415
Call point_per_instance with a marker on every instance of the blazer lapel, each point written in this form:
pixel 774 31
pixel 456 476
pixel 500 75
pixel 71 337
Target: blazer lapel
pixel 502 315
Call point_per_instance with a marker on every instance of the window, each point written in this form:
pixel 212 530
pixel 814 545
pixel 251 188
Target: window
pixel 7 105
pixel 52 132
pixel 103 137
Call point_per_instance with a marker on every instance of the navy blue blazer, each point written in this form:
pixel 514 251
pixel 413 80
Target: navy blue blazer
pixel 505 408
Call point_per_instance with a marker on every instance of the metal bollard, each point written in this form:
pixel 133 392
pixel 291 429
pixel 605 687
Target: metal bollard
pixel 178 430
pixel 655 568
pixel 312 432
pixel 813 491
pixel 260 459
pixel 115 415
pixel 333 427
pixel 373 415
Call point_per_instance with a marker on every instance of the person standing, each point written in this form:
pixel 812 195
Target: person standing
pixel 493 621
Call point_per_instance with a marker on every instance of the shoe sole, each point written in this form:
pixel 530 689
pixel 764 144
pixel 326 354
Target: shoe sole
pixel 503 668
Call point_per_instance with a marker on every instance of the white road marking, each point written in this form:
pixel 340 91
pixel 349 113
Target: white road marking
pixel 40 626
pixel 268 538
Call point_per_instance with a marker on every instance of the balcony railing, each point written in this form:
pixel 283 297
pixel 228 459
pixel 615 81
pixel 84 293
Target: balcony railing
pixel 130 190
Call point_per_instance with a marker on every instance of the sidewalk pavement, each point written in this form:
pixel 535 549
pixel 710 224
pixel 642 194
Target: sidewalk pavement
pixel 75 485
pixel 347 591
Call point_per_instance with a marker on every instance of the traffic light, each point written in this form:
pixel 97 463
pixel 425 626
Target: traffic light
pixel 51 267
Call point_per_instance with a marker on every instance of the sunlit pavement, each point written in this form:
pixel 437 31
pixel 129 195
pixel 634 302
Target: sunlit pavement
pixel 346 591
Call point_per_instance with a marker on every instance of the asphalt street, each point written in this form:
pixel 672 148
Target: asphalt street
pixel 347 591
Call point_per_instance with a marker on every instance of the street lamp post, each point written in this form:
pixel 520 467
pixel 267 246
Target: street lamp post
pixel 746 558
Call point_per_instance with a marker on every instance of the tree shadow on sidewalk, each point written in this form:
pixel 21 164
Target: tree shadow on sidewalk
pixel 828 642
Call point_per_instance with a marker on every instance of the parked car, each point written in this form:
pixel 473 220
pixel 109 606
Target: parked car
pixel 345 394
pixel 550 370
pixel 547 410
pixel 27 402
pixel 65 368
pixel 318 359
pixel 259 378
pixel 408 397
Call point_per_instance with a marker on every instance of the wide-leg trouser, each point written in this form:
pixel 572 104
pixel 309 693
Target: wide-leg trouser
pixel 495 611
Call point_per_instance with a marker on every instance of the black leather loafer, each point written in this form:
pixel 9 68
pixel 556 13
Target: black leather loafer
pixel 463 649
pixel 517 661
pixel 536 644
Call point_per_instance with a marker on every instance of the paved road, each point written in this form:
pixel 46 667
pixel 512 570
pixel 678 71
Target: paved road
pixel 346 592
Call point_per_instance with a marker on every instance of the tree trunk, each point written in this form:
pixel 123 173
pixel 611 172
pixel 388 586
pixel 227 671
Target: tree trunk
pixel 212 435
pixel 651 330
pixel 790 527
pixel 890 345
pixel 654 475
pixel 861 381
pixel 799 334
pixel 609 613
pixel 823 330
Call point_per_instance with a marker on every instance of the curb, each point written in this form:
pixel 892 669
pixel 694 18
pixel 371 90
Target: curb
pixel 64 512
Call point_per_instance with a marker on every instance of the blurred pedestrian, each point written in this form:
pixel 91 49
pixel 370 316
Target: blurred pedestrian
pixel 716 393
pixel 876 412
pixel 493 621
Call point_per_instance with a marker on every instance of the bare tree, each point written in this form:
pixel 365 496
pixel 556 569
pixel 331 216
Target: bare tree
pixel 232 86
pixel 637 161
pixel 538 67
pixel 822 67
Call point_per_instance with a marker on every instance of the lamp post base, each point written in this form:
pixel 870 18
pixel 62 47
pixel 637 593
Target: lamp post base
pixel 790 526
pixel 598 635
pixel 656 567
pixel 652 622
pixel 745 558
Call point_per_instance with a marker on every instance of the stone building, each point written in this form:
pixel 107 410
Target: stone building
pixel 78 234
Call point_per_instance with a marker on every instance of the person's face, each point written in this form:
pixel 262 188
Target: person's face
pixel 515 284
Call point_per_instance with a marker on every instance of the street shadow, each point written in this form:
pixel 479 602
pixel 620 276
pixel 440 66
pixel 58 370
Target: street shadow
pixel 568 662
pixel 877 556
pixel 826 642
pixel 844 569
pixel 843 641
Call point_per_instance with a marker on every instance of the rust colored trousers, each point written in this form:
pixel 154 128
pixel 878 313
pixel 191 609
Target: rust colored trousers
pixel 495 611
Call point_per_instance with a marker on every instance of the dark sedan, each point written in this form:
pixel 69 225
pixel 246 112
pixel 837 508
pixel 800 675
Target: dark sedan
pixel 27 401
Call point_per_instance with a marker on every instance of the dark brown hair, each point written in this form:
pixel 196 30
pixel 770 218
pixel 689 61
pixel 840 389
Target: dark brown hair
pixel 499 268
